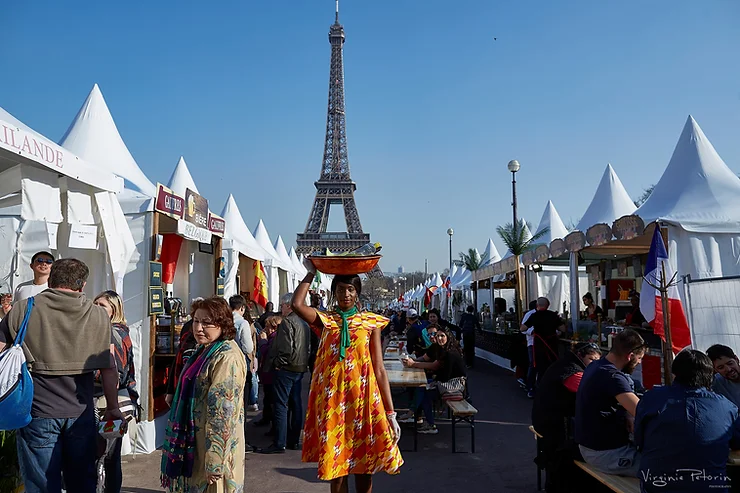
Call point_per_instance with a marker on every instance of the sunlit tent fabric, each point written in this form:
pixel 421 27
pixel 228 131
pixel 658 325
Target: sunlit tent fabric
pixel 39 177
pixel 94 135
pixel 490 254
pixel 238 240
pixel 181 179
pixel 552 282
pixel 610 202
pixel 297 264
pixel 273 264
pixel 698 199
pixel 285 259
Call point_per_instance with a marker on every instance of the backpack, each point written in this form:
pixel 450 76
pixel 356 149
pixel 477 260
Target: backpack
pixel 16 384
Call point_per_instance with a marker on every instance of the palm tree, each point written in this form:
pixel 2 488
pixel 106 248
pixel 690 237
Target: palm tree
pixel 472 260
pixel 518 240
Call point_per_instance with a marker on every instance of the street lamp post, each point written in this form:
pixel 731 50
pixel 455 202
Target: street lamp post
pixel 513 167
pixel 450 232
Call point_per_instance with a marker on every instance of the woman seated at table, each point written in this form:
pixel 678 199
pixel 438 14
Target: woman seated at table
pixel 448 364
pixel 592 309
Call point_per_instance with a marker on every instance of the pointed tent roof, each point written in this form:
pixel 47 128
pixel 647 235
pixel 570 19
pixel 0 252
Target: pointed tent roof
pixel 453 273
pixel 551 219
pixel 491 253
pixel 437 280
pixel 283 254
pixel 263 238
pixel 297 264
pixel 181 179
pixel 94 137
pixel 238 232
pixel 697 190
pixel 611 201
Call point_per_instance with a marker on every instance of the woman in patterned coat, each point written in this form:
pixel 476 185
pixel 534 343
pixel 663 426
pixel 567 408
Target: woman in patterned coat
pixel 351 427
pixel 204 443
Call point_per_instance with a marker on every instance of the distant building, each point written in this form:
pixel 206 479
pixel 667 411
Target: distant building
pixel 401 270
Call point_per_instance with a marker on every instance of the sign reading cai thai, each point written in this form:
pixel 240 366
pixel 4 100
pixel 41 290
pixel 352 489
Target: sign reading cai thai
pixel 30 145
pixel 168 202
pixel 196 209
pixel 216 224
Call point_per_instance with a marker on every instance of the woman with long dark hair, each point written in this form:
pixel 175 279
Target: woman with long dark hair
pixel 351 427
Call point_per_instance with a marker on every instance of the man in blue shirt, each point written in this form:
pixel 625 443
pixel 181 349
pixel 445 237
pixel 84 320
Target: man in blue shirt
pixel 605 406
pixel 727 377
pixel 685 431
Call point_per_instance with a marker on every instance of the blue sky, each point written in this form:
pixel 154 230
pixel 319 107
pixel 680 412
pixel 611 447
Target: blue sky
pixel 435 106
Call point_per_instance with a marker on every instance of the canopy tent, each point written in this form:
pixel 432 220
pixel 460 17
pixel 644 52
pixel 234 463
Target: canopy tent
pixel 240 251
pixel 610 202
pixel 277 271
pixel 698 199
pixel 94 134
pixel 287 262
pixel 552 281
pixel 297 265
pixel 51 199
pixel 490 254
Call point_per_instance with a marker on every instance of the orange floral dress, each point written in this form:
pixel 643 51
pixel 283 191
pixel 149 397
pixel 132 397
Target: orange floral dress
pixel 346 429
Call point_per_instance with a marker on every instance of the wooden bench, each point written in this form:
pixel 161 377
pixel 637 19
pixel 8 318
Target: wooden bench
pixel 537 460
pixel 620 484
pixel 462 411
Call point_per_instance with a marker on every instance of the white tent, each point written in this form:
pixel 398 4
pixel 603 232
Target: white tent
pixel 181 179
pixel 94 134
pixel 553 282
pixel 698 199
pixel 490 254
pixel 297 265
pixel 610 202
pixel 277 271
pixel 239 247
pixel 51 199
pixel 285 259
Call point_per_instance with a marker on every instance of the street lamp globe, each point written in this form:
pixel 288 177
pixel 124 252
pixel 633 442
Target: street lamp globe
pixel 513 166
pixel 450 232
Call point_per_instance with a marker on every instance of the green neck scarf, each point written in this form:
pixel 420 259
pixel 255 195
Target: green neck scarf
pixel 344 337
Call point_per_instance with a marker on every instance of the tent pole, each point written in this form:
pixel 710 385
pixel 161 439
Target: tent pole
pixel 668 344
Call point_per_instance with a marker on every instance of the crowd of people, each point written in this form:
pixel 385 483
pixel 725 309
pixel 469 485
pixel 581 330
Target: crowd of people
pixel 586 407
pixel 80 357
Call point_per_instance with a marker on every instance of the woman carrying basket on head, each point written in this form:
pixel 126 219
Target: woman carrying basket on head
pixel 351 427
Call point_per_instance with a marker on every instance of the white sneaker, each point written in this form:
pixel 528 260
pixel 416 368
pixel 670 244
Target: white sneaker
pixel 406 418
pixel 427 429
pixel 253 407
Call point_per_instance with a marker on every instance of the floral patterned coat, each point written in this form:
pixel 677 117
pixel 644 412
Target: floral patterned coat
pixel 219 422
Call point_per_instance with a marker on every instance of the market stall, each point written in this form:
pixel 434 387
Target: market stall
pixel 52 200
pixel 276 269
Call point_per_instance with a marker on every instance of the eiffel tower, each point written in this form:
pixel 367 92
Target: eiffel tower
pixel 335 187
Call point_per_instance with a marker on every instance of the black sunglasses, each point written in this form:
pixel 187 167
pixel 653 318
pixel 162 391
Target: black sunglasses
pixel 44 261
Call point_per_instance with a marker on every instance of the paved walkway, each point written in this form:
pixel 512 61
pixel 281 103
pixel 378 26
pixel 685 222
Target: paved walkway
pixel 502 462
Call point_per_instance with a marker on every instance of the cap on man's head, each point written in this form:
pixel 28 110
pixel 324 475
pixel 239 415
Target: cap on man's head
pixel 412 313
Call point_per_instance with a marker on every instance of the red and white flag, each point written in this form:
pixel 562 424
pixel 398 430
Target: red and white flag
pixel 651 304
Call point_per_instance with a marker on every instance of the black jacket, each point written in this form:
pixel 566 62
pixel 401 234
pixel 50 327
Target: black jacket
pixel 552 401
pixel 292 344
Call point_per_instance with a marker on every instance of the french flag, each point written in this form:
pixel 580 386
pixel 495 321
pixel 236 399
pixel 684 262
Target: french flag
pixel 651 304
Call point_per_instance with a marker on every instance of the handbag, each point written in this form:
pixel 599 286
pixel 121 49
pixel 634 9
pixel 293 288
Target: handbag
pixel 16 384
pixel 456 385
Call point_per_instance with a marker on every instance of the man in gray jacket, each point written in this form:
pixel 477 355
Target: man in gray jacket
pixel 289 356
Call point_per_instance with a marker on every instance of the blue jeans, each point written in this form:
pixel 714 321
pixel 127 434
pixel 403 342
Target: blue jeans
pixel 252 394
pixel 50 447
pixel 288 408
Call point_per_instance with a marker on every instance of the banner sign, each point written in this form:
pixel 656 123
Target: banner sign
pixel 542 253
pixel 599 234
pixel 575 241
pixel 196 210
pixel 558 248
pixel 193 232
pixel 26 144
pixel 216 224
pixel 169 203
pixel 628 227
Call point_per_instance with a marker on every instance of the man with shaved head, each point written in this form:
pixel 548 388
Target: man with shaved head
pixel 547 326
